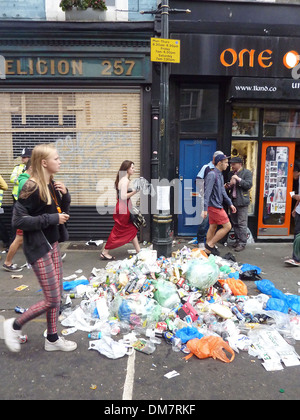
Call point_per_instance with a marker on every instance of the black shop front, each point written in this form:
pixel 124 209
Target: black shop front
pixel 237 89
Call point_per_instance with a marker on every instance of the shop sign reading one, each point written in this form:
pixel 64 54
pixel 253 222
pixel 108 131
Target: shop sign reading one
pixel 229 57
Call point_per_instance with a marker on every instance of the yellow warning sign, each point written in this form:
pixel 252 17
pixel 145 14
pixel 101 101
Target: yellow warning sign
pixel 165 50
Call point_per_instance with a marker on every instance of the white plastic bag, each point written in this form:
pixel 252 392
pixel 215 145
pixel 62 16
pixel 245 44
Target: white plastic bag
pixel 108 347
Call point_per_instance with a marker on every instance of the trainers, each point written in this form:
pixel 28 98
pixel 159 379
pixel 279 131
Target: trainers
pixel 11 336
pixel 213 251
pixel 60 345
pixel 12 268
pixel 292 262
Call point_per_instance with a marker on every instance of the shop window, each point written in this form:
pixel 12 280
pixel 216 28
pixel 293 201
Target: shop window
pixel 281 123
pixel 199 110
pixel 245 122
pixel 275 189
pixel 247 150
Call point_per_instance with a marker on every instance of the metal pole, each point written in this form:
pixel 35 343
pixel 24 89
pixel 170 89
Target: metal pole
pixel 162 238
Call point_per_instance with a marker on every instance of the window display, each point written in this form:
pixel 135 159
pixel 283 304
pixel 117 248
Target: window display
pixel 276 171
pixel 245 122
pixel 281 123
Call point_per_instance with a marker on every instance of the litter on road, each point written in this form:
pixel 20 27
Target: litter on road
pixel 199 305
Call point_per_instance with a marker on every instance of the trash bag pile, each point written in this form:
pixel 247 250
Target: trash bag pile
pixel 197 304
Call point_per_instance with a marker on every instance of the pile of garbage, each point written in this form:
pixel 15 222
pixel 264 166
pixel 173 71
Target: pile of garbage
pixel 197 304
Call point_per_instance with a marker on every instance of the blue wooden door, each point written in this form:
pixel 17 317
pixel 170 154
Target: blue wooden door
pixel 193 155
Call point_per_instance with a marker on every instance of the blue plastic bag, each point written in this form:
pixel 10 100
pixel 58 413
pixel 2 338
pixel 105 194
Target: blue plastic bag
pixel 69 285
pixel 289 301
pixel 294 303
pixel 248 267
pixel 234 275
pixel 265 286
pixel 279 305
pixel 188 333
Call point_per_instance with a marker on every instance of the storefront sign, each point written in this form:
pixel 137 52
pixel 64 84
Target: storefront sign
pixel 235 55
pixel 66 67
pixel 264 88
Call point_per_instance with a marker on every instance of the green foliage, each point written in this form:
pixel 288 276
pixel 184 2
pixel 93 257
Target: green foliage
pixel 83 4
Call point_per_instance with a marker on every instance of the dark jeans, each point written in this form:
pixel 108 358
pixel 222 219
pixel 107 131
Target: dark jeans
pixel 297 230
pixel 202 231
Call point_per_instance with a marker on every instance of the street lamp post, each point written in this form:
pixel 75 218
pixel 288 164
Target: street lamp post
pixel 162 234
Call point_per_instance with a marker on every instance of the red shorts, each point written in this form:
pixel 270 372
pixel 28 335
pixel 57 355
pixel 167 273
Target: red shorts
pixel 19 232
pixel 217 216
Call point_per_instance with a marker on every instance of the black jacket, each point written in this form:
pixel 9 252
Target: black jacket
pixel 39 223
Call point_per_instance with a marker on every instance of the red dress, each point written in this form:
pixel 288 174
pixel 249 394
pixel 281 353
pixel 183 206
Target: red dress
pixel 123 231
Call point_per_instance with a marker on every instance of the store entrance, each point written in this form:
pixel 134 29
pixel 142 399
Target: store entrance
pixel 193 155
pixel 275 202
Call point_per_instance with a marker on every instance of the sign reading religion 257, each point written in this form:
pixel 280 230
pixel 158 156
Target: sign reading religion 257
pixel 69 67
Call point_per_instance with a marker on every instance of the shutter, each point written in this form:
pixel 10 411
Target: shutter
pixel 94 131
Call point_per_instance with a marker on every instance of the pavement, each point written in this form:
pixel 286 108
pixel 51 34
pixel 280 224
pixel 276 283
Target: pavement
pixel 34 374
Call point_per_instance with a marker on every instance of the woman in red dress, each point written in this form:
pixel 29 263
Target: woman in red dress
pixel 123 231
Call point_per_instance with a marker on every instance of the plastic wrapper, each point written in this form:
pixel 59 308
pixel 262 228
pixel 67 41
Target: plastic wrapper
pixel 188 333
pixel 109 348
pixel 135 309
pixel 202 274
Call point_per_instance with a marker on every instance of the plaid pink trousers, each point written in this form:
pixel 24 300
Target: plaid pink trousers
pixel 48 270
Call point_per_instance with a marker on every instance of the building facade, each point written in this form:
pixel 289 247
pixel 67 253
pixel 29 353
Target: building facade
pixel 236 89
pixel 85 86
pixel 91 88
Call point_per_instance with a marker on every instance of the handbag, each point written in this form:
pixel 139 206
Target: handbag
pixel 137 218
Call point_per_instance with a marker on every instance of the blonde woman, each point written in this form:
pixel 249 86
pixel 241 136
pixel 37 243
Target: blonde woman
pixel 42 206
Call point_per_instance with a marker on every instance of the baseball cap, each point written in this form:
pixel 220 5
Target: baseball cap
pixel 218 158
pixel 26 152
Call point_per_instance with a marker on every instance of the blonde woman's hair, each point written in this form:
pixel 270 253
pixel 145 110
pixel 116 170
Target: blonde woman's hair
pixel 39 153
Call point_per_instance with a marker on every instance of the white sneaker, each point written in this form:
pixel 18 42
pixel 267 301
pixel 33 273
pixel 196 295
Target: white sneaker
pixel 292 262
pixel 11 336
pixel 60 345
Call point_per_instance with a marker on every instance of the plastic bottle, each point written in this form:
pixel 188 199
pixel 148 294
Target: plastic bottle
pixel 176 344
pixel 151 334
pixel 227 293
pixel 20 310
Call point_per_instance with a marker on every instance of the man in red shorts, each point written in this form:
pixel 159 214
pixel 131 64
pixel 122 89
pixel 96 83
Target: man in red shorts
pixel 214 196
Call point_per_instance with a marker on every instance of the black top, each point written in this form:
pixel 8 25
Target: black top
pixel 38 220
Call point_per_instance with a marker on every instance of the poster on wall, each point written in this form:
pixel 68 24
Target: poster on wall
pixel 276 171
